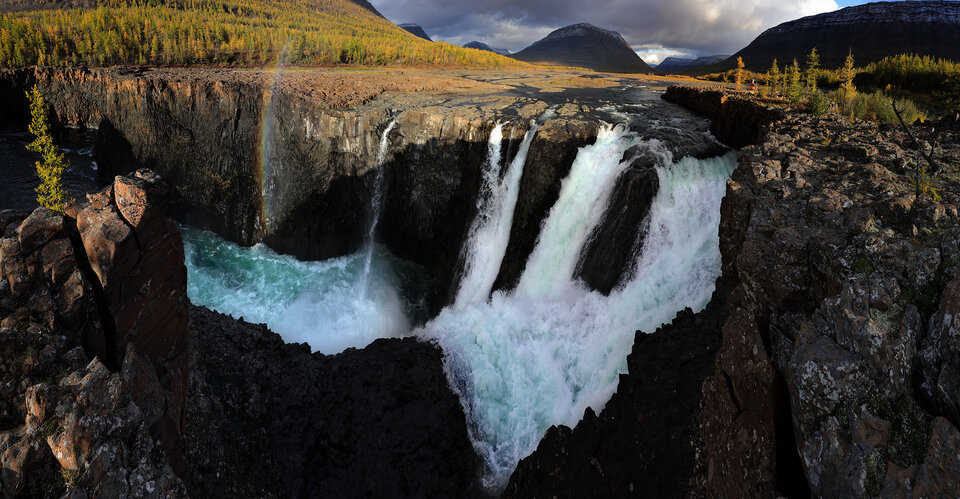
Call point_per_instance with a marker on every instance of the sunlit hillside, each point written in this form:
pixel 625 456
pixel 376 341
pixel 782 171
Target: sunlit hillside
pixel 221 32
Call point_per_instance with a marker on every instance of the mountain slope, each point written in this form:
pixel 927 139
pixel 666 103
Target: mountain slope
pixel 872 31
pixel 483 46
pixel 416 30
pixel 676 64
pixel 218 32
pixel 585 46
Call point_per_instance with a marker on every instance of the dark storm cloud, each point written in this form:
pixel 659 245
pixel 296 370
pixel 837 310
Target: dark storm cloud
pixel 690 26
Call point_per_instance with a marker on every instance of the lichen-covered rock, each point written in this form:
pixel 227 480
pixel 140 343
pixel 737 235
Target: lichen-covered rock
pixel 848 277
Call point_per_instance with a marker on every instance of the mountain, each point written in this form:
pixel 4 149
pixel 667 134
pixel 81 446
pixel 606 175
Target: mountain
pixel 872 31
pixel 677 64
pixel 483 46
pixel 585 46
pixel 416 30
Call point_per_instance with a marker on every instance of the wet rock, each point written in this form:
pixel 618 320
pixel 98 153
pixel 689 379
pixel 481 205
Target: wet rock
pixel 609 256
pixel 644 441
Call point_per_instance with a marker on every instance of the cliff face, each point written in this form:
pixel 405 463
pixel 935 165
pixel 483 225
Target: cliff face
pixel 290 159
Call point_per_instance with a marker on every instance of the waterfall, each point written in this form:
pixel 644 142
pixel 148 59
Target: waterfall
pixel 375 207
pixel 490 230
pixel 543 354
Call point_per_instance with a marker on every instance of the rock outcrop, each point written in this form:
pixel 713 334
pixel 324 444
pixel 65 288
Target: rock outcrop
pixel 376 422
pixel 840 277
pixel 737 121
pixel 104 282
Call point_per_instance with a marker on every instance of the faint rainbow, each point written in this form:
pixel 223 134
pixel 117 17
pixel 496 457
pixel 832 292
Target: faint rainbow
pixel 264 167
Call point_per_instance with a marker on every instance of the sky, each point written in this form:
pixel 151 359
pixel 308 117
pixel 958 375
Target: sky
pixel 654 28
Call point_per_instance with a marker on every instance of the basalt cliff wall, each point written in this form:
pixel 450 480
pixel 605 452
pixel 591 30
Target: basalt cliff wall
pixel 290 159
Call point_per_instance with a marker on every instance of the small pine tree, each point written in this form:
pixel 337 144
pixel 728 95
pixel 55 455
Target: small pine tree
pixel 794 86
pixel 50 192
pixel 739 74
pixel 847 73
pixel 813 69
pixel 773 78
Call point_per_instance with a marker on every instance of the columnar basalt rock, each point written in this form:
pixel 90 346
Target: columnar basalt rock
pixel 736 121
pixel 105 281
pixel 837 270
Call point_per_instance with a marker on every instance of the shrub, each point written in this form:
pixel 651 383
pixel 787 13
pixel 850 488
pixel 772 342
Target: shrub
pixel 819 103
pixel 878 106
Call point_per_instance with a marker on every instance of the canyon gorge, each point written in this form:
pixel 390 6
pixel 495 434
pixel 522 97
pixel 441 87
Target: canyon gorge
pixel 475 283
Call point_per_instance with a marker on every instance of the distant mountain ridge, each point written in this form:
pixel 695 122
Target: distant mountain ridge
pixel 586 46
pixel 676 64
pixel 483 46
pixel 871 31
pixel 416 30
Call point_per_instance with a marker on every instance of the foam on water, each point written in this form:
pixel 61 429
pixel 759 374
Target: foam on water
pixel 543 354
pixel 490 230
pixel 304 302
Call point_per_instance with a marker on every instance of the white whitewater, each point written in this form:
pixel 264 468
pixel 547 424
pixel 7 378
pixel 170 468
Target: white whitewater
pixel 375 206
pixel 543 354
pixel 490 230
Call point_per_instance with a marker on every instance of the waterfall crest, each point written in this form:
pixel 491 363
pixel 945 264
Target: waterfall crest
pixel 490 231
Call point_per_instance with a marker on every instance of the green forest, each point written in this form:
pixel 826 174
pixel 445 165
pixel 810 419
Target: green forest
pixel 222 32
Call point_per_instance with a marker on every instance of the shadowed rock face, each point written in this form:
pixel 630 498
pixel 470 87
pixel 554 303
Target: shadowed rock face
pixel 416 30
pixel 378 422
pixel 257 161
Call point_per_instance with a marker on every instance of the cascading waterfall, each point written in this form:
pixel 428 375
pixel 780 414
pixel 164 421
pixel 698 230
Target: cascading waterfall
pixel 490 230
pixel 375 207
pixel 541 355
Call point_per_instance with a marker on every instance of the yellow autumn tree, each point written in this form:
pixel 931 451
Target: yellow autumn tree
pixel 739 74
pixel 50 192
